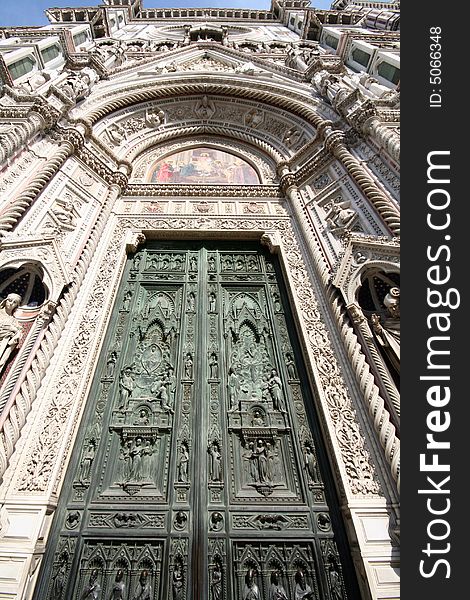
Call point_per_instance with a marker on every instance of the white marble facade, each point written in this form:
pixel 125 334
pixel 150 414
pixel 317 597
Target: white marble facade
pixel 77 146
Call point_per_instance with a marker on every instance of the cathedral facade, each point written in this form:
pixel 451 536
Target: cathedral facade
pixel 200 303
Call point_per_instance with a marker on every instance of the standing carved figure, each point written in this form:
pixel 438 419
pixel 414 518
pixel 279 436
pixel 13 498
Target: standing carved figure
pixel 183 461
pixel 302 590
pixel 126 387
pixel 87 461
pixel 10 329
pixel 276 590
pixel 59 579
pixel 213 366
pixel 177 582
pixel 111 363
pixel 216 457
pixel 250 590
pixel 216 583
pixel 118 589
pixel 144 589
pixel 233 389
pixel 188 366
pixel 275 389
pixel 335 583
pixel 92 590
pixel 311 464
pixel 262 458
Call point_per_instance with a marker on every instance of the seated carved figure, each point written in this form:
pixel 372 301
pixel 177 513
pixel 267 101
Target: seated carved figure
pixel 10 329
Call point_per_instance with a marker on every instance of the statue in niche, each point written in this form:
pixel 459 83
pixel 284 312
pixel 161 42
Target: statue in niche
pixel 191 302
pixel 290 366
pixel 126 387
pixel 143 418
pixel 233 385
pixel 302 590
pixel 262 462
pixel 213 366
pixel 92 590
pixel 144 589
pixel 111 363
pixel 177 583
pixel 10 329
pixel 146 456
pixel 215 461
pixel 205 108
pixel 135 454
pixel 216 582
pixel 188 366
pixel 388 334
pixel 154 117
pixel 118 589
pixel 251 457
pixel 272 462
pixel 170 383
pixel 277 302
pixel 335 583
pixel 59 579
pixel 212 302
pixel 211 261
pixel 311 464
pixel 183 461
pixel 126 300
pixel 193 263
pixel 87 461
pixel 275 389
pixel 276 590
pixel 250 589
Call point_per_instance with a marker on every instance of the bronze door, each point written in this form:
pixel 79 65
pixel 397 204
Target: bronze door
pixel 199 472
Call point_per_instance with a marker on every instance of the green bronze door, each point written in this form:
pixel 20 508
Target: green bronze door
pixel 198 473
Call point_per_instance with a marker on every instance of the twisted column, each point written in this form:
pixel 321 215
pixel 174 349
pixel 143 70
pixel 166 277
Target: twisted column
pixel 334 143
pixel 19 203
pixel 20 135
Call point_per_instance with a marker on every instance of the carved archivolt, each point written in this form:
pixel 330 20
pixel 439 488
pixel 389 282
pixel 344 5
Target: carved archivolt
pixel 55 428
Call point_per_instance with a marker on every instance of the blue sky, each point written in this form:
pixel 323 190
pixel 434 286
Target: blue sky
pixel 31 12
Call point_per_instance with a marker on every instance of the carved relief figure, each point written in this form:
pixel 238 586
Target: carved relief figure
pixel 205 108
pixel 116 133
pixel 276 590
pixel 216 582
pixel 177 582
pixel 183 460
pixel 262 460
pixel 290 366
pixel 213 366
pixel 87 461
pixel 10 329
pixel 144 589
pixel 302 589
pixel 188 366
pixel 126 387
pixel 92 590
pixel 111 363
pixel 59 579
pixel 250 589
pixel 251 457
pixel 233 385
pixel 154 117
pixel 215 462
pixel 212 302
pixel 64 214
pixel 311 464
pixel 275 389
pixel 388 334
pixel 118 589
pixel 335 583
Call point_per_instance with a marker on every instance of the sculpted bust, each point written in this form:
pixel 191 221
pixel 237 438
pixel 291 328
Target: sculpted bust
pixel 10 329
